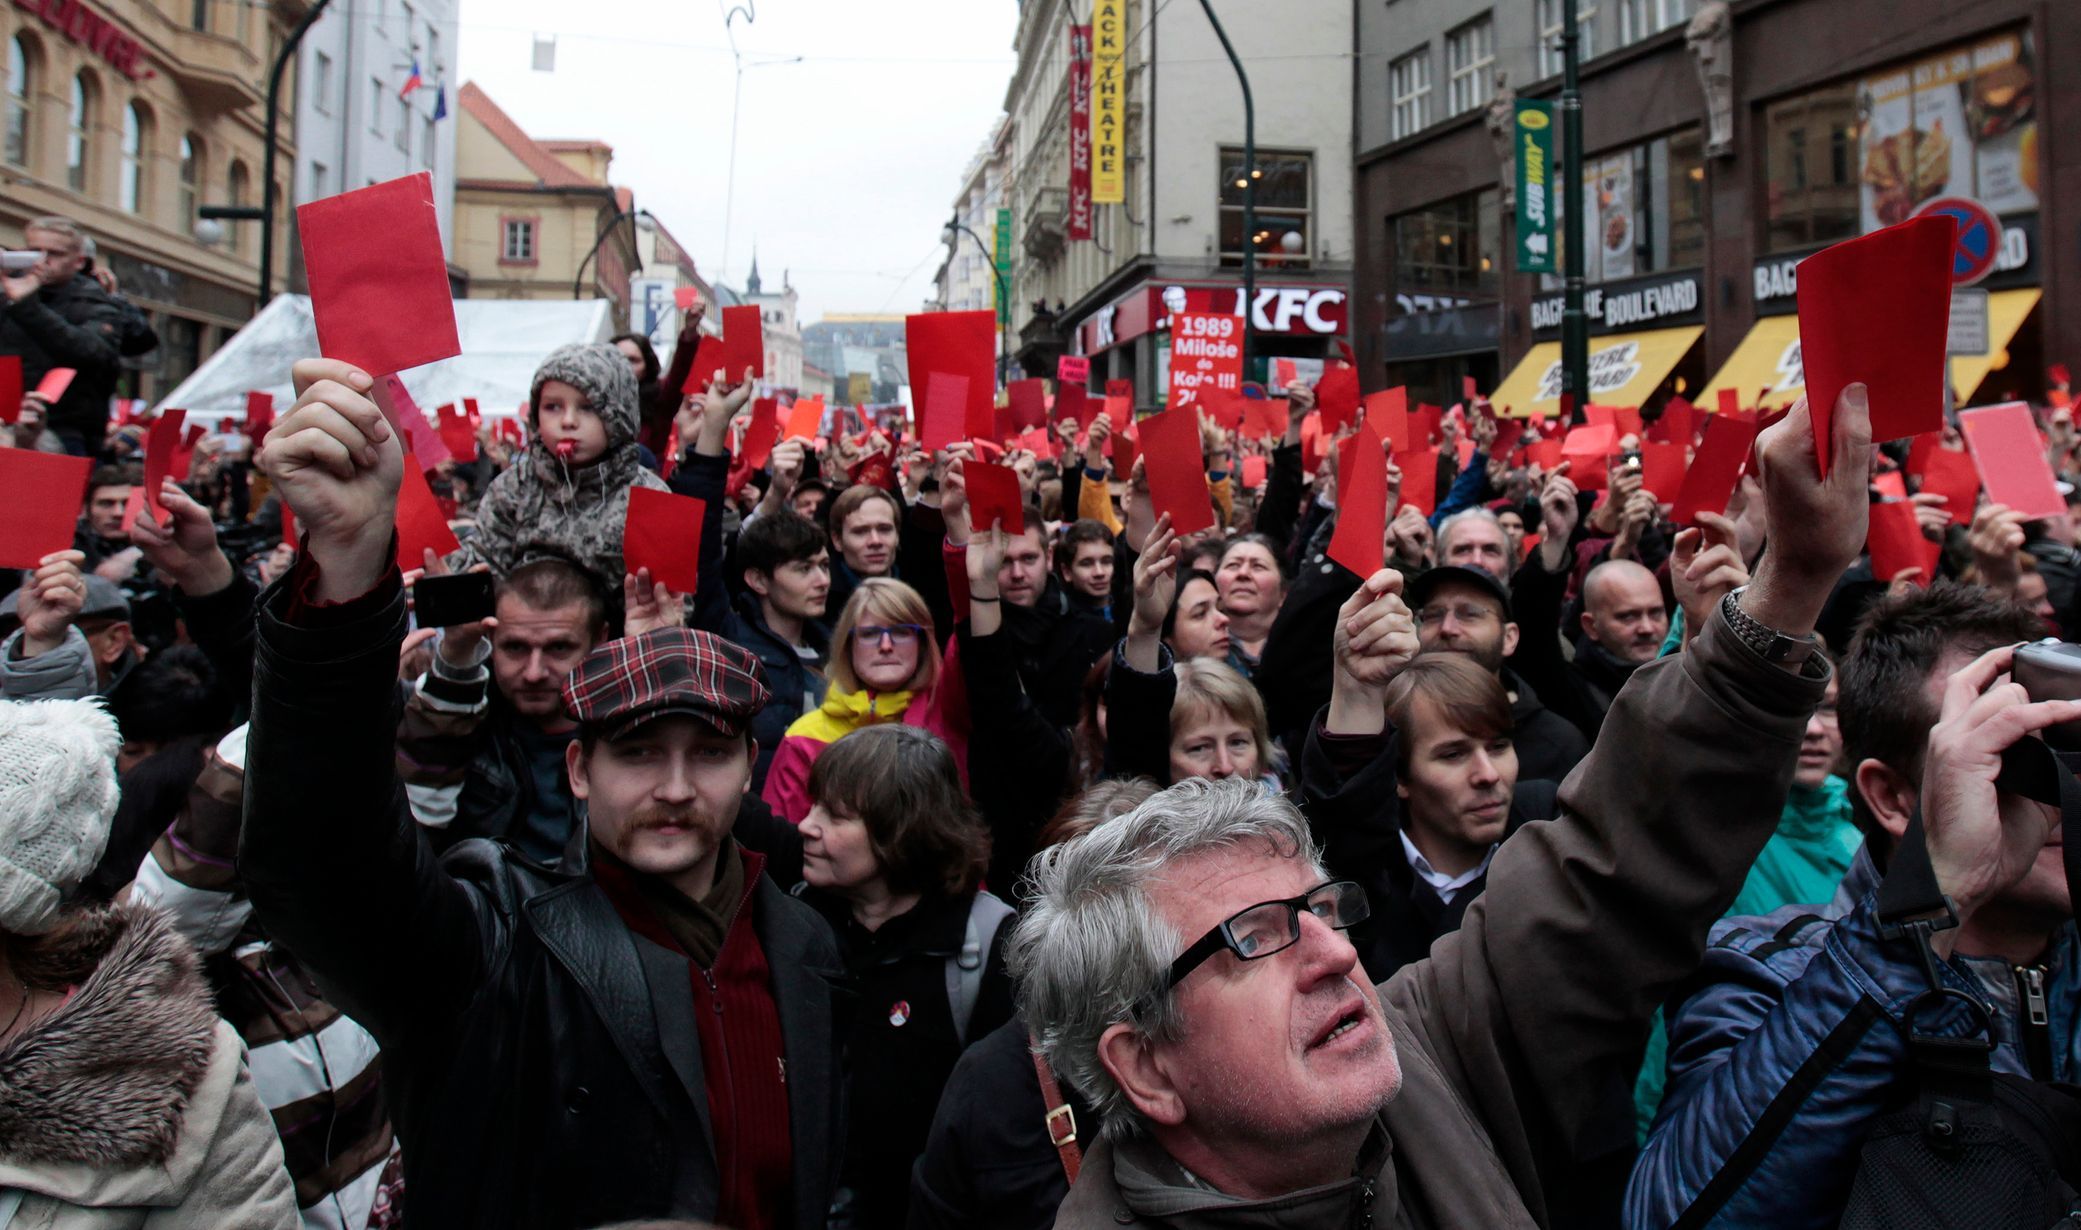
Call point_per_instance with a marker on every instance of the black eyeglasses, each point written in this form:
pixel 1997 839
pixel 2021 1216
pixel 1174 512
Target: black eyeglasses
pixel 1274 926
pixel 898 634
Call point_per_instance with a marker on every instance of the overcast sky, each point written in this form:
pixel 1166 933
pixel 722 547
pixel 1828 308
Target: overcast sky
pixel 847 162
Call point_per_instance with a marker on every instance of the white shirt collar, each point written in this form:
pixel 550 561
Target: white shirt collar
pixel 1448 886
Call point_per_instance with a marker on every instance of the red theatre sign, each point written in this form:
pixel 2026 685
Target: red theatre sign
pixel 91 30
pixel 1080 132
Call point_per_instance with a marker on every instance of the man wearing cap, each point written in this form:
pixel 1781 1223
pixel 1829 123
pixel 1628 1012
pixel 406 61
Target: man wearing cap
pixel 74 636
pixel 644 1030
pixel 1464 609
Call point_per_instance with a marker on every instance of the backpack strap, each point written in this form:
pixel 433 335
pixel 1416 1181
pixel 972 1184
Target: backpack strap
pixel 1061 1120
pixel 986 914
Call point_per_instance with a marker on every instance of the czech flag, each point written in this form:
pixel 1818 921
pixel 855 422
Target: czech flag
pixel 412 82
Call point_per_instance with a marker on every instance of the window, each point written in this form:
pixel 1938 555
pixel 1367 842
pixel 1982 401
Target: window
pixel 19 89
pixel 519 244
pixel 376 94
pixel 240 185
pixel 136 163
pixel 1645 208
pixel 1812 191
pixel 191 179
pixel 1550 56
pixel 199 14
pixel 404 124
pixel 321 83
pixel 1470 54
pixel 321 181
pixel 1640 18
pixel 1448 250
pixel 426 143
pixel 1409 94
pixel 1283 238
pixel 79 131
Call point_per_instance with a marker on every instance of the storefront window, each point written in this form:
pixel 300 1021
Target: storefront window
pixel 1448 251
pixel 1283 236
pixel 1853 157
pixel 1646 210
pixel 18 92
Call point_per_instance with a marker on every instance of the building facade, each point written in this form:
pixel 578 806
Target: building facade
pixel 1176 240
pixel 865 354
pixel 355 125
pixel 967 280
pixel 667 268
pixel 1722 144
pixel 777 324
pixel 535 218
pixel 128 117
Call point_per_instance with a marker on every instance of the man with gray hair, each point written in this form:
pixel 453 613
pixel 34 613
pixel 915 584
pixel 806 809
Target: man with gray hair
pixel 57 316
pixel 1184 966
pixel 1474 538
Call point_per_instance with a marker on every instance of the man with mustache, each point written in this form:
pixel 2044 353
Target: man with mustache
pixel 642 1030
pixel 1185 966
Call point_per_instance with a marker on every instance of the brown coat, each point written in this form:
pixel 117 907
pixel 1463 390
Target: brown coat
pixel 1515 1031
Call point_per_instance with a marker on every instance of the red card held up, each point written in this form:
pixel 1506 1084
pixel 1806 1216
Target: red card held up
pixel 1950 473
pixel 993 496
pixel 1358 542
pixel 1675 425
pixel 1029 403
pixel 54 383
pixel 1119 409
pixel 663 534
pixel 1284 373
pixel 1546 454
pixel 1120 446
pixel 10 388
pixel 1336 396
pixel 420 525
pixel 962 346
pixel 1587 450
pixel 1419 468
pixel 805 417
pixel 1074 405
pixel 1253 471
pixel 684 297
pixel 1387 413
pixel 1662 469
pixel 744 342
pixel 378 276
pixel 762 433
pixel 1709 483
pixel 1730 401
pixel 1177 480
pixel 161 443
pixel 2011 456
pixel 1919 449
pixel 41 510
pixel 1425 423
pixel 1073 369
pixel 1267 417
pixel 943 416
pixel 1877 310
pixel 135 504
pixel 708 361
pixel 1508 433
pixel 1120 388
pixel 1895 541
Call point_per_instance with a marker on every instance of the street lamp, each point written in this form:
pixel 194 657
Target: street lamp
pixel 1004 294
pixel 578 282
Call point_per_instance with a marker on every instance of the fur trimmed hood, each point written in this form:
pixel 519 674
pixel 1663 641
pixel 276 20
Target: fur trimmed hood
pixel 141 1001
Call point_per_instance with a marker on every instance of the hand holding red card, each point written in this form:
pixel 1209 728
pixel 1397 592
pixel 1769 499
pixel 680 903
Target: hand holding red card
pixel 1177 480
pixel 1877 311
pixel 163 441
pixel 1950 473
pixel 1387 413
pixel 378 276
pixel 1336 396
pixel 960 346
pixel 993 496
pixel 1359 541
pixel 1894 538
pixel 943 415
pixel 54 383
pixel 1709 483
pixel 420 525
pixel 663 534
pixel 1588 451
pixel 1029 403
pixel 41 508
pixel 744 342
pixel 763 433
pixel 805 418
pixel 2011 457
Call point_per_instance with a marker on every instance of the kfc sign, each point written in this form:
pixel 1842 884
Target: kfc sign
pixel 1303 310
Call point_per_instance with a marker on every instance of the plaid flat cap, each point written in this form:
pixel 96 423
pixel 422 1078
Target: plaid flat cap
pixel 627 682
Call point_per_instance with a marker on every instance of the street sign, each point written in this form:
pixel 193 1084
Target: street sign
pixel 1968 335
pixel 1979 237
pixel 1535 197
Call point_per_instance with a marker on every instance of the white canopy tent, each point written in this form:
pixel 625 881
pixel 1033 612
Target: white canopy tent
pixel 503 342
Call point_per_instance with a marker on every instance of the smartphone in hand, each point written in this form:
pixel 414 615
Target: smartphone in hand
pixel 444 602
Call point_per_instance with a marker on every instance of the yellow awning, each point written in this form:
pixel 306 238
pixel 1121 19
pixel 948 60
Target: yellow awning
pixel 1625 369
pixel 1766 360
pixel 2005 312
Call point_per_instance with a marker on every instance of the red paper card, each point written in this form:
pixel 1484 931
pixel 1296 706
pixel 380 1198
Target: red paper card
pixel 134 505
pixel 684 297
pixel 663 534
pixel 1662 469
pixel 1508 433
pixel 1073 369
pixel 1336 396
pixel 10 388
pixel 2011 456
pixel 1546 454
pixel 1730 401
pixel 1425 423
pixel 1123 389
pixel 1029 403
pixel 1587 450
pixel 420 438
pixel 1073 403
pixel 708 363
pixel 163 441
pixel 1266 417
pixel 420 525
pixel 1709 484
pixel 993 496
pixel 1284 373
pixel 1120 446
pixel 1119 409
pixel 1919 449
pixel 959 345
pixel 458 434
pixel 744 342
pixel 762 433
pixel 1892 484
pixel 1470 388
pixel 1253 471
pixel 378 276
pixel 1419 468
pixel 943 415
pixel 260 413
pixel 54 383
pixel 1950 473
pixel 1895 541
pixel 41 510
pixel 1177 478
pixel 1878 310
pixel 1387 413
pixel 1675 425
pixel 1359 541
pixel 805 417
pixel 1600 416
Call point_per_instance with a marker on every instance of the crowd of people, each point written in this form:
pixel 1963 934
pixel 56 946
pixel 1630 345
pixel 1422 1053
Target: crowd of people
pixel 1062 870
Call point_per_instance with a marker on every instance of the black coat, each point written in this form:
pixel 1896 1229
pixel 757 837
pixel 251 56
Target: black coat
pixel 1548 745
pixel 542 1061
pixel 78 325
pixel 902 1045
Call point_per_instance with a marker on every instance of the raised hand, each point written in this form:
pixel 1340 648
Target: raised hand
pixel 1932 514
pixel 1704 567
pixel 1817 526
pixel 1996 539
pixel 1375 638
pixel 1155 580
pixel 1409 537
pixel 1095 442
pixel 338 465
pixel 953 501
pixel 185 548
pixel 49 600
pixel 647 604
pixel 1559 513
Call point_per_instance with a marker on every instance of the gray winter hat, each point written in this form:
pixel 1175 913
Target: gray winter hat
pixel 599 371
pixel 58 795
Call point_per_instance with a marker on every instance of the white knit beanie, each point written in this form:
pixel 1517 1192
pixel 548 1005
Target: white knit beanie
pixel 57 796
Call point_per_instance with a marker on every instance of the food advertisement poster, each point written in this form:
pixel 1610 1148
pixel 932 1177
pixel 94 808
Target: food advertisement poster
pixel 1962 122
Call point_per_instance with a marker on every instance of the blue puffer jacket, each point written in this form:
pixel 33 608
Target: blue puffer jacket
pixel 1780 1061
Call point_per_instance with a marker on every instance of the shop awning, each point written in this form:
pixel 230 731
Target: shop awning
pixel 2006 310
pixel 1625 369
pixel 1767 361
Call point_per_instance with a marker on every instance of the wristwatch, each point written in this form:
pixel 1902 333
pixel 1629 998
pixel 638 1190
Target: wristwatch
pixel 1769 643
